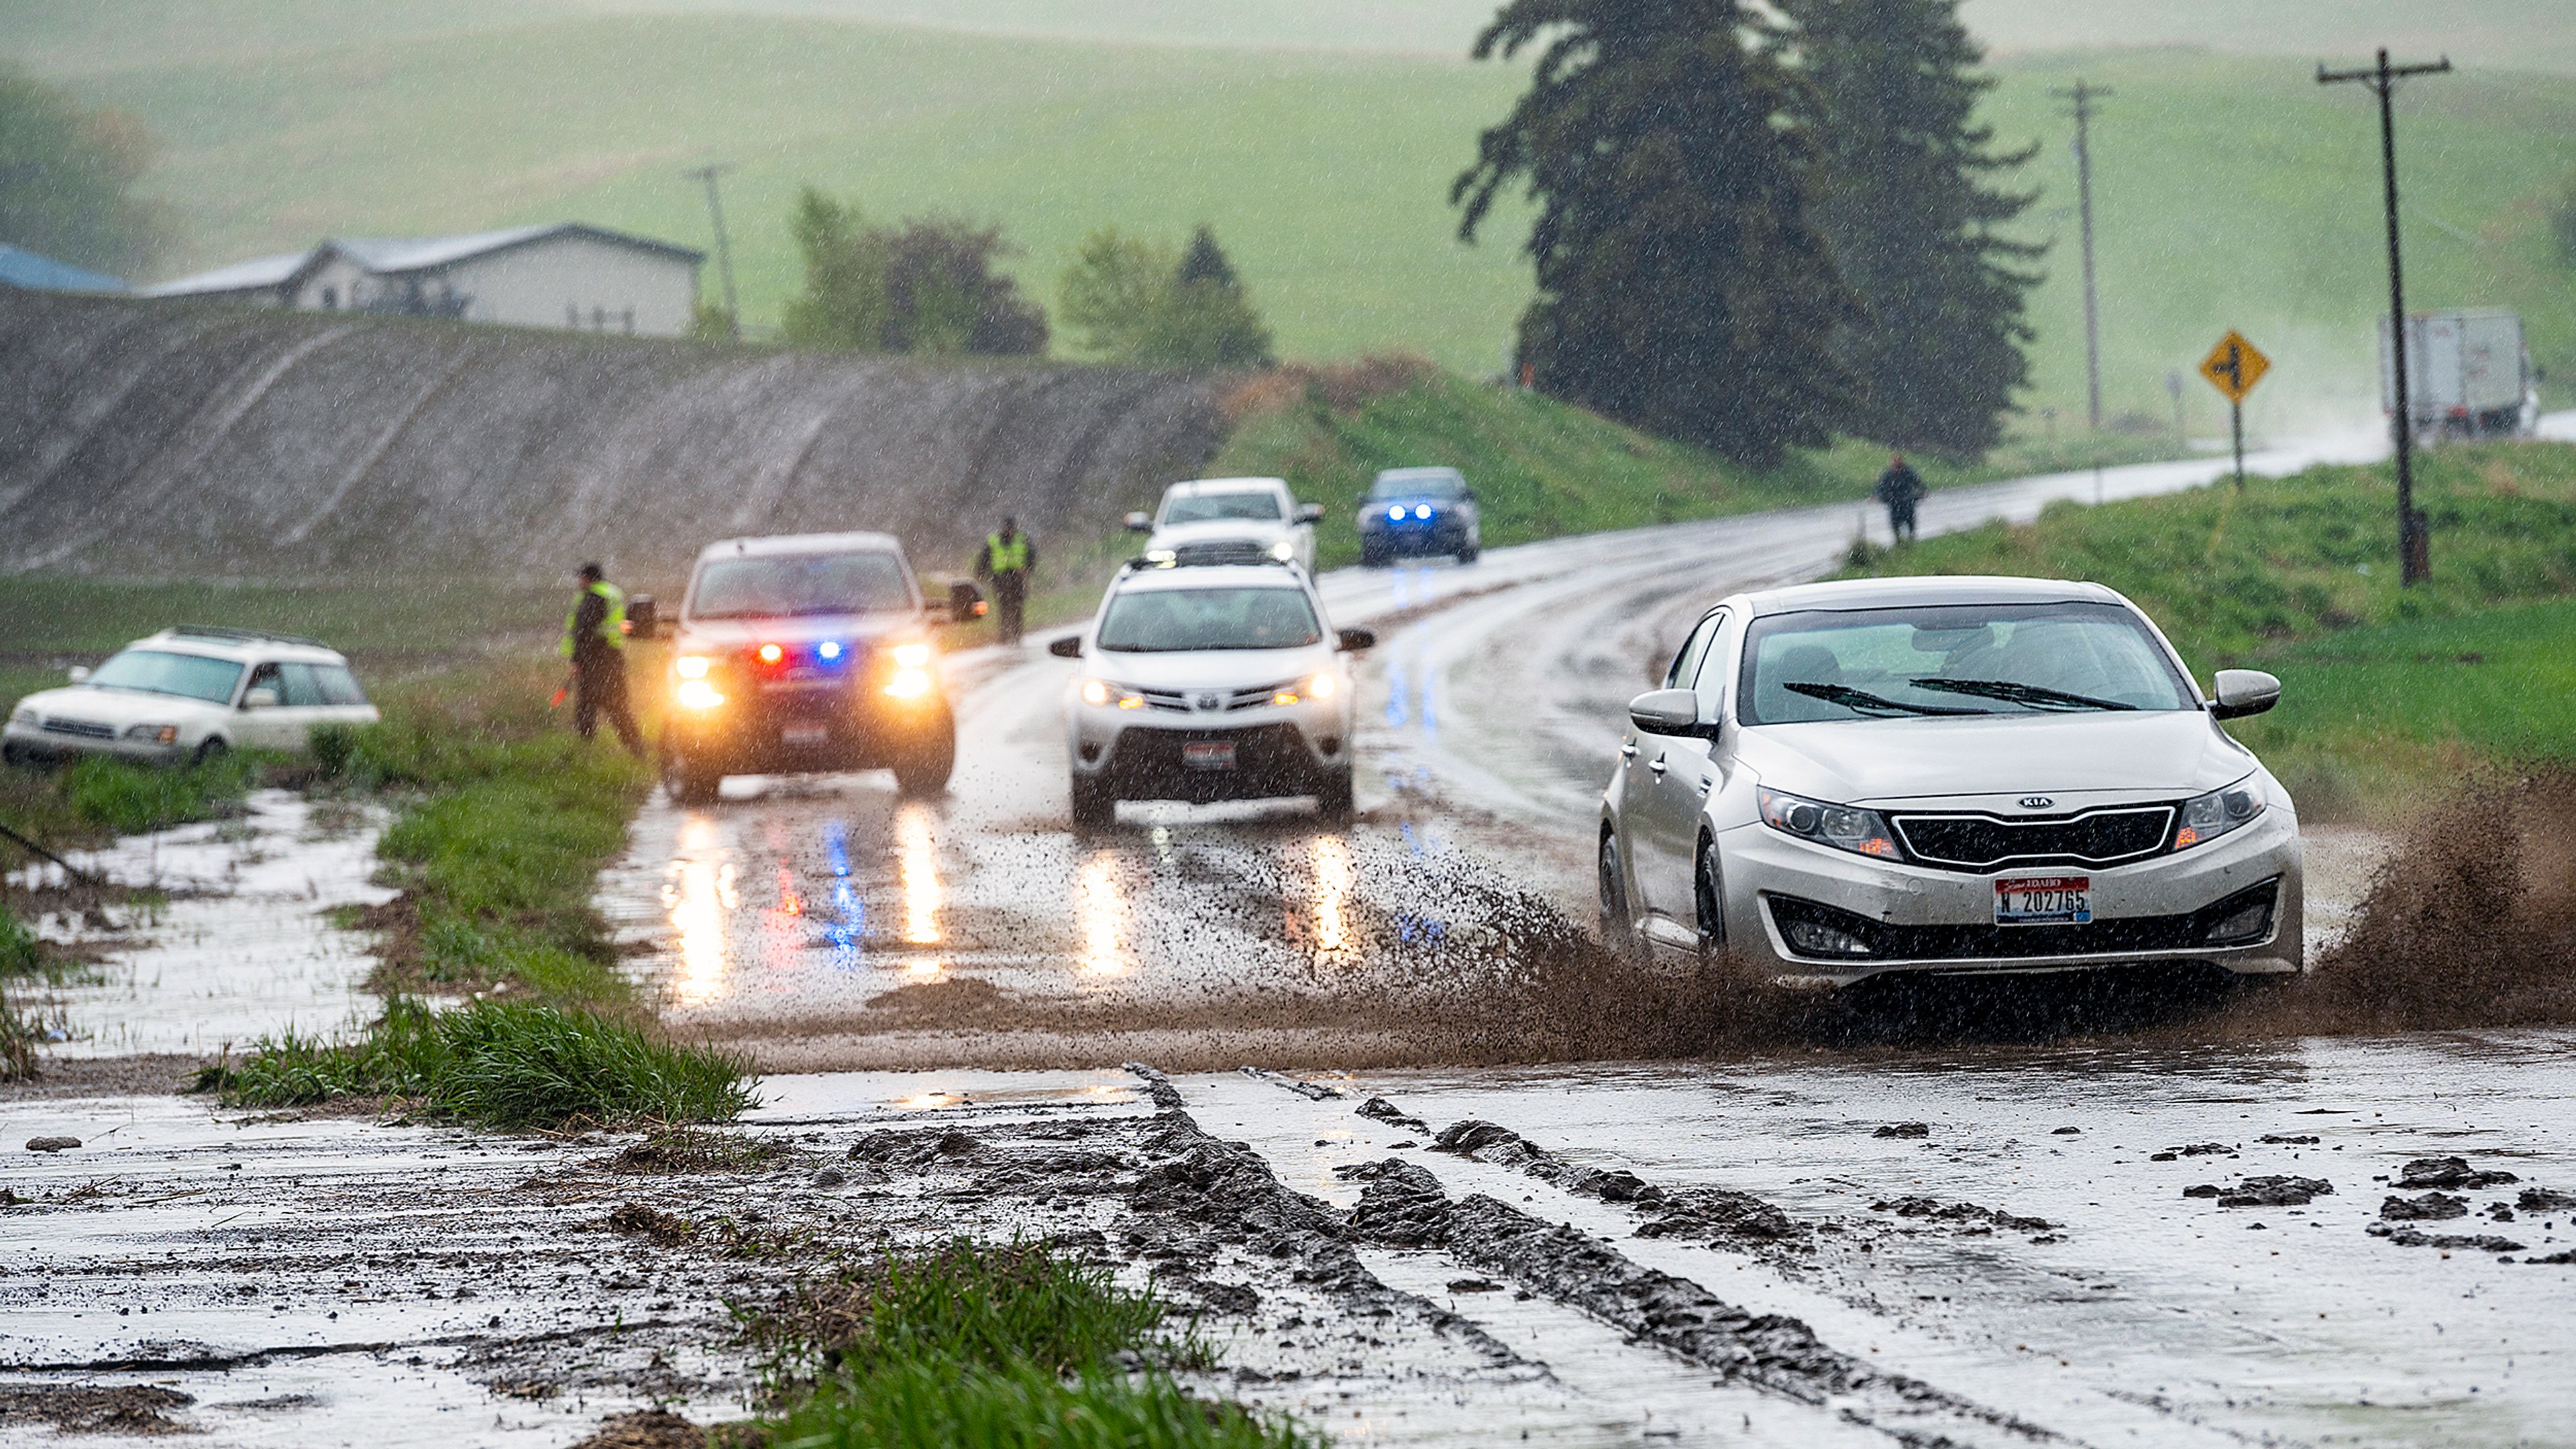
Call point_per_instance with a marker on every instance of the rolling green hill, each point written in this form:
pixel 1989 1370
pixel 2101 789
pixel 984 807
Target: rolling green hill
pixel 1319 139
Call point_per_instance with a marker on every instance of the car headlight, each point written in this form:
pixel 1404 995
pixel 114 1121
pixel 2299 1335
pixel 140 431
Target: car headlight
pixel 1160 555
pixel 692 666
pixel 697 694
pixel 1102 692
pixel 1319 688
pixel 911 656
pixel 909 684
pixel 2207 817
pixel 25 717
pixel 1283 550
pixel 156 734
pixel 1844 827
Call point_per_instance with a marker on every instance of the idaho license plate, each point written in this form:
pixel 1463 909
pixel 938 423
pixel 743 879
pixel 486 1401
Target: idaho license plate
pixel 804 734
pixel 1208 754
pixel 2044 900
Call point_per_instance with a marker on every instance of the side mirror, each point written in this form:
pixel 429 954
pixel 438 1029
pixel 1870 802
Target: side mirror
pixel 1355 640
pixel 1467 493
pixel 642 621
pixel 260 698
pixel 965 601
pixel 2242 692
pixel 1310 513
pixel 78 674
pixel 1068 647
pixel 1140 523
pixel 1670 712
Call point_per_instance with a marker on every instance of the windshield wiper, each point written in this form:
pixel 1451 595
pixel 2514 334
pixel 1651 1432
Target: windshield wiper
pixel 1850 698
pixel 2012 693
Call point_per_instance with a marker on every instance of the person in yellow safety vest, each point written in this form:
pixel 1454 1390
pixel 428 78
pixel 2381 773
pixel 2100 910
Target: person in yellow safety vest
pixel 595 641
pixel 1005 561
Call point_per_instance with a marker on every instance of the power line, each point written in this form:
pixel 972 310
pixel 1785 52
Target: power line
pixel 724 253
pixel 2414 547
pixel 2084 96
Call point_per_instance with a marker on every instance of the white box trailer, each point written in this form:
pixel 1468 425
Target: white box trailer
pixel 2469 373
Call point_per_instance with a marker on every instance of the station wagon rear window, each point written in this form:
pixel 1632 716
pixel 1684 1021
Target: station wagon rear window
pixel 158 671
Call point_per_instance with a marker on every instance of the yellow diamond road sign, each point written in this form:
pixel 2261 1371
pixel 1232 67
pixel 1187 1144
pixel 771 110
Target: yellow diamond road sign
pixel 2234 366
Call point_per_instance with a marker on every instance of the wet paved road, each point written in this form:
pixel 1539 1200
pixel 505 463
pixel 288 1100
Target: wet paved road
pixel 824 923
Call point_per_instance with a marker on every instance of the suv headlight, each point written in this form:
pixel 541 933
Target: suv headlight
pixel 2207 817
pixel 25 717
pixel 1844 827
pixel 154 734
pixel 1283 550
pixel 1102 692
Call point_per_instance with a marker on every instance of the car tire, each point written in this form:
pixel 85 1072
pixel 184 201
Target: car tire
pixel 1618 927
pixel 1469 554
pixel 1095 805
pixel 211 751
pixel 923 768
pixel 1333 799
pixel 1708 901
pixel 688 786
pixel 1372 558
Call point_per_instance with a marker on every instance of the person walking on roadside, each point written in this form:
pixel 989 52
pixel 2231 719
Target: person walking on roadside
pixel 1900 488
pixel 1005 563
pixel 595 641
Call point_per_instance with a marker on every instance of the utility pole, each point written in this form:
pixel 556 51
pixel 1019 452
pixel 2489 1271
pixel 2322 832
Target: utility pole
pixel 2083 97
pixel 2414 548
pixel 724 253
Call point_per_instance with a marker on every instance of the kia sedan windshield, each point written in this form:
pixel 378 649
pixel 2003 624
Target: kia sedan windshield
pixel 1162 621
pixel 1211 507
pixel 773 586
pixel 1954 660
pixel 156 671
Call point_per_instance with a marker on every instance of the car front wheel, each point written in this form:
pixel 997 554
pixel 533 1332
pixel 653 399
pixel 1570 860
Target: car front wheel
pixel 1709 901
pixel 687 784
pixel 1616 928
pixel 924 767
pixel 211 751
pixel 1333 799
pixel 1095 805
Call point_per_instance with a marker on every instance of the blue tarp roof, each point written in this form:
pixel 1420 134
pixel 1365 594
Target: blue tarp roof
pixel 20 267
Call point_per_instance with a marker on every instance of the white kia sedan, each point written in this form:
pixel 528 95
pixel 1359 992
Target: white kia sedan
pixel 1204 683
pixel 190 694
pixel 1946 775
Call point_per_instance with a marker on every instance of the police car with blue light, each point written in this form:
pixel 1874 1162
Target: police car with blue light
pixel 1419 512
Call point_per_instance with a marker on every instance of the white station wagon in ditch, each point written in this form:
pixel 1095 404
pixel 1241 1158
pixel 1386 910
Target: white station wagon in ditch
pixel 1946 775
pixel 190 693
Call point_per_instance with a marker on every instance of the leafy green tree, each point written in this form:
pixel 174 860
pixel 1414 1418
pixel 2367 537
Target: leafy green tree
pixel 928 286
pixel 67 178
pixel 1682 285
pixel 1137 301
pixel 1909 209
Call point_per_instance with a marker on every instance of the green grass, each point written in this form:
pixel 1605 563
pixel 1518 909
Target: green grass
pixel 970 1345
pixel 2232 190
pixel 2385 689
pixel 508 1065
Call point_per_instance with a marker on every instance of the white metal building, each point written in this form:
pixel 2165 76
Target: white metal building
pixel 560 275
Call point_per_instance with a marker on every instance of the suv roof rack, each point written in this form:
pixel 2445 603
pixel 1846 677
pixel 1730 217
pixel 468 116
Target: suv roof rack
pixel 241 636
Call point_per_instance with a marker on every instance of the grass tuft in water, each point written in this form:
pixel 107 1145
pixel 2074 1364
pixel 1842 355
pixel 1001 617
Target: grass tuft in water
pixel 941 1403
pixel 508 1065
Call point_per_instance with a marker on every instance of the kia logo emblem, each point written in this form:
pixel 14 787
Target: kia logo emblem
pixel 1207 701
pixel 2036 802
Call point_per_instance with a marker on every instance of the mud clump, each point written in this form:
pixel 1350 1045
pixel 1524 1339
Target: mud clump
pixel 52 1144
pixel 2432 1207
pixel 2545 1200
pixel 1382 1110
pixel 93 1409
pixel 2196 1149
pixel 653 1429
pixel 2450 1172
pixel 1689 1212
pixel 2279 1140
pixel 1977 1219
pixel 891 1148
pixel 1403 1205
pixel 1904 1129
pixel 2470 1242
pixel 639 1220
pixel 2272 1191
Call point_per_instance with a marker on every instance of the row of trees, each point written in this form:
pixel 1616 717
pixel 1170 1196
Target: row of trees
pixel 931 285
pixel 1758 229
pixel 67 179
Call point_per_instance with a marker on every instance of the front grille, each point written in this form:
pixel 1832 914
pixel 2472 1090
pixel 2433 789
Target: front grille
pixel 1170 701
pixel 1982 842
pixel 1885 942
pixel 86 729
pixel 1255 698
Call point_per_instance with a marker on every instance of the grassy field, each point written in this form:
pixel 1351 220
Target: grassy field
pixel 2386 691
pixel 2232 190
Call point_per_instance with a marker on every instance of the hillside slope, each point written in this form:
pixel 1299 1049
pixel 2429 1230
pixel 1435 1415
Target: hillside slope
pixel 154 441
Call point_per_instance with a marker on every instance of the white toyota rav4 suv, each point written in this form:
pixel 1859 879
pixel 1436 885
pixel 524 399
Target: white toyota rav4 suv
pixel 1202 683
pixel 190 693
pixel 1219 520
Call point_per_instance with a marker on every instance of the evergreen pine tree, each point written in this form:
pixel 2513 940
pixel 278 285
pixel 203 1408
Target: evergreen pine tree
pixel 1907 204
pixel 1682 286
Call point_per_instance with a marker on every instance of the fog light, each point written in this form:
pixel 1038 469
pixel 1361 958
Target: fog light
pixel 1815 938
pixel 1330 744
pixel 1090 752
pixel 692 666
pixel 697 694
pixel 2248 924
pixel 909 683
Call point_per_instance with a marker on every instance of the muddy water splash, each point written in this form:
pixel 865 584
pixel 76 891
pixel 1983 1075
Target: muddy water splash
pixel 155 439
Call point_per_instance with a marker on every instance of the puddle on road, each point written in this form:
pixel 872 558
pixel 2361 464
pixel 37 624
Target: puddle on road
pixel 242 947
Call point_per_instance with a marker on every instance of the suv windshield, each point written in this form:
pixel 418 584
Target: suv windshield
pixel 1162 621
pixel 1953 660
pixel 762 587
pixel 1210 507
pixel 1421 485
pixel 155 671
